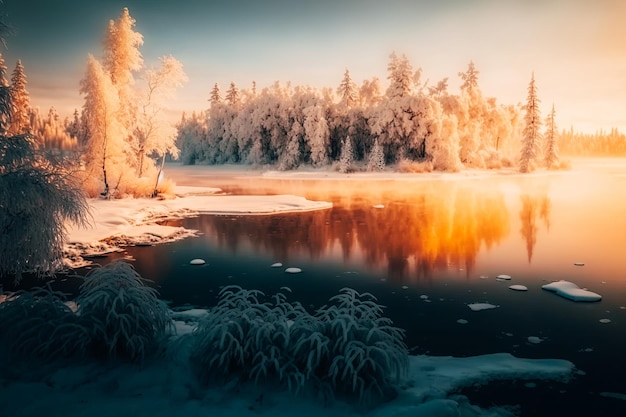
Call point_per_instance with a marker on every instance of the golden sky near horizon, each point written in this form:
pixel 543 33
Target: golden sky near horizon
pixel 576 48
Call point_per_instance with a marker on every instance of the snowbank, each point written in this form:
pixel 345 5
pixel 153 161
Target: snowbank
pixel 127 222
pixel 168 387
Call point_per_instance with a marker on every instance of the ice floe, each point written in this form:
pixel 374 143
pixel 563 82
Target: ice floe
pixel 518 287
pixel 571 291
pixel 503 277
pixel 276 265
pixel 197 261
pixel 604 320
pixel 481 306
pixel 462 321
pixel 535 339
pixel 293 270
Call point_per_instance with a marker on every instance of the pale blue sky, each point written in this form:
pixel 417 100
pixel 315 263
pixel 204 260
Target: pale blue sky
pixel 575 47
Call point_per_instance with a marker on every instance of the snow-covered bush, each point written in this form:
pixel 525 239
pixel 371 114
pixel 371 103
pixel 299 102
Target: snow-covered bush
pixel 125 317
pixel 246 338
pixel 346 349
pixel 367 354
pixel 38 324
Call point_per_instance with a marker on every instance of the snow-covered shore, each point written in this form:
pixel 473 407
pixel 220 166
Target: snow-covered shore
pixel 168 387
pixel 130 221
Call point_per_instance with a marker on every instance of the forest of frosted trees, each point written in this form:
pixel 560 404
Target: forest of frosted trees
pixel 412 122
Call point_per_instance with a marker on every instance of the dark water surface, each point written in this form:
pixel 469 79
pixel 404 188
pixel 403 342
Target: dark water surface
pixel 435 247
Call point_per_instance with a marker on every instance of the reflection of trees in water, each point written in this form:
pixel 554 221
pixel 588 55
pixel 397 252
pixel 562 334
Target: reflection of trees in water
pixel 534 207
pixel 423 228
pixel 431 231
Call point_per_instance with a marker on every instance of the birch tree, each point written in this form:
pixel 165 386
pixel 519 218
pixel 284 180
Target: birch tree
pixel 152 133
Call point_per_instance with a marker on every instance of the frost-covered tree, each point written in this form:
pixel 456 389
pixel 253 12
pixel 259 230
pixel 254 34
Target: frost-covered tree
pixel 531 135
pixel 20 121
pixel 469 77
pixel 233 96
pixel 346 161
pixel 122 59
pixel 105 154
pixel 376 160
pixel 152 134
pixel 37 196
pixel 215 96
pixel 552 148
pixel 347 90
pixel 401 76
pixel 317 134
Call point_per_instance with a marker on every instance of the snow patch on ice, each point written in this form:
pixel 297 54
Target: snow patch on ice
pixel 571 291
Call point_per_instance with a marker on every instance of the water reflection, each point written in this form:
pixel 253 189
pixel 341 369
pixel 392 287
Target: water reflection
pixel 422 228
pixel 535 206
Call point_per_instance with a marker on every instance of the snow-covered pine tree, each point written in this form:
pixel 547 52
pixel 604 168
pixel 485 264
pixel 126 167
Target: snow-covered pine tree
pixel 531 135
pixel 233 97
pixel 376 160
pixel 20 121
pixel 347 90
pixel 346 160
pixel 215 96
pixel 552 148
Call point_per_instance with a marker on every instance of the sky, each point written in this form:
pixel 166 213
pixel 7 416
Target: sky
pixel 574 47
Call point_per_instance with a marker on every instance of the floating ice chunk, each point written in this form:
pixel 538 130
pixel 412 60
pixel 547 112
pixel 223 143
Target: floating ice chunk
pixel 424 297
pixel 197 261
pixel 293 270
pixel 571 291
pixel 604 320
pixel 276 265
pixel 579 263
pixel 379 206
pixel 481 306
pixel 616 395
pixel 404 287
pixel 462 321
pixel 503 277
pixel 518 287
pixel 535 339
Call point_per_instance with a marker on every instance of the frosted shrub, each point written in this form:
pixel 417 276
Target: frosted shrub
pixel 347 348
pixel 255 340
pixel 368 355
pixel 39 324
pixel 124 316
pixel 376 160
